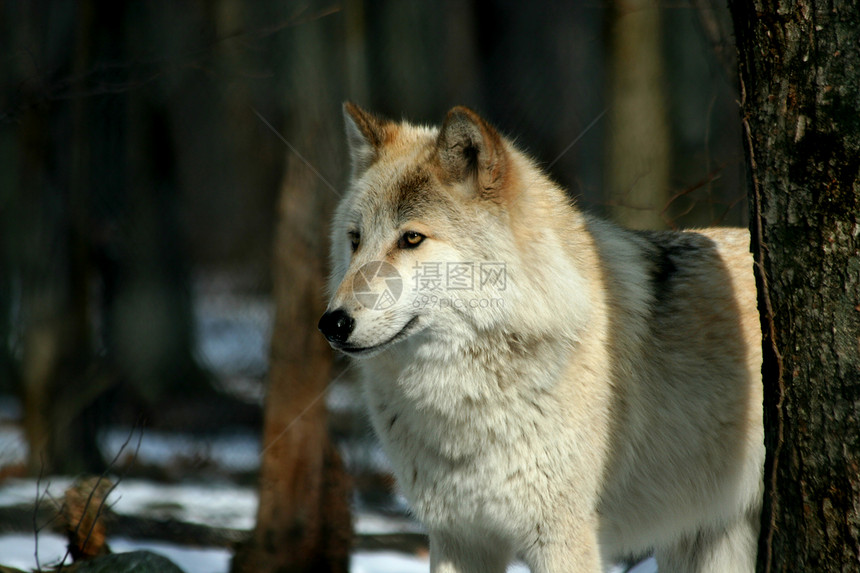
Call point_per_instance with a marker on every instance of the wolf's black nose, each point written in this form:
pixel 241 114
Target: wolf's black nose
pixel 336 325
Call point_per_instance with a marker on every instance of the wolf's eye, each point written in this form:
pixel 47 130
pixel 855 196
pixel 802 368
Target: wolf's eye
pixel 354 240
pixel 410 240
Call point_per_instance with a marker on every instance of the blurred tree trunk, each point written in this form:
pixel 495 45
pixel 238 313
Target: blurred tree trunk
pixel 638 150
pixel 303 519
pixel 51 201
pixel 9 298
pixel 150 318
pixel 407 53
pixel 800 89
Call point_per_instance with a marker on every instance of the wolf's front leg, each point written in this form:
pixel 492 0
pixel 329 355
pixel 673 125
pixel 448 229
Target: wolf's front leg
pixel 569 551
pixel 451 553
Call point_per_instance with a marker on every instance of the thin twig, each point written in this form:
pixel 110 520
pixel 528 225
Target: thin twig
pixel 707 180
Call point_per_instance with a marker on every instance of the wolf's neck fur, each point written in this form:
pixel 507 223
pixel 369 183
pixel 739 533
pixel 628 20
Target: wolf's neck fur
pixel 433 394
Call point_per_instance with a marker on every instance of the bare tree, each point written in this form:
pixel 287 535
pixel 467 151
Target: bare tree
pixel 303 520
pixel 800 87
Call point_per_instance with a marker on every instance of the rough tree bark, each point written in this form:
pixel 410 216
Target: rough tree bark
pixel 800 87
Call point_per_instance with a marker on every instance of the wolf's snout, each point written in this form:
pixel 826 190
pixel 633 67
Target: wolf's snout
pixel 336 325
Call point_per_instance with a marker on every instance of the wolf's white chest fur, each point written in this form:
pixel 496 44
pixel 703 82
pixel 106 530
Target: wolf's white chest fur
pixel 479 443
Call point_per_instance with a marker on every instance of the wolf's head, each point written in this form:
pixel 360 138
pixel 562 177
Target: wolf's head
pixel 429 240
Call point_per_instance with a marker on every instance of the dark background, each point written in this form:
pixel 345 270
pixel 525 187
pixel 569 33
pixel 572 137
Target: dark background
pixel 140 172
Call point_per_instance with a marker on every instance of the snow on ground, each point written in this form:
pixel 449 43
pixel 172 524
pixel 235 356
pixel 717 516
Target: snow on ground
pixel 207 504
pixel 210 504
pixel 647 566
pixel 221 504
pixel 19 551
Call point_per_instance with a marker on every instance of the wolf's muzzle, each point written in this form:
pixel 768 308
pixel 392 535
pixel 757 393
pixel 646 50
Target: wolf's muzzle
pixel 336 325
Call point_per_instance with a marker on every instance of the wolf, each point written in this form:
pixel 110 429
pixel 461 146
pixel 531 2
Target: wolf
pixel 597 396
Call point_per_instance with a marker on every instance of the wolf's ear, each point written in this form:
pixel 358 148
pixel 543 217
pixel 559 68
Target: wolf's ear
pixel 469 146
pixel 365 134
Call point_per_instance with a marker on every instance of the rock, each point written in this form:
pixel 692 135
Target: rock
pixel 131 562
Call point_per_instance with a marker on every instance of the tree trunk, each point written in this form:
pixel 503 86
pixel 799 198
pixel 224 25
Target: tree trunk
pixel 49 203
pixel 303 522
pixel 637 160
pixel 150 317
pixel 303 519
pixel 800 88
